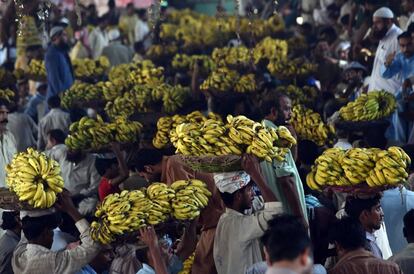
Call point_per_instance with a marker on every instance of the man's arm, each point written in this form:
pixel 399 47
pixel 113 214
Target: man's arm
pixel 391 67
pixel 123 169
pixel 288 185
pixel 149 237
pixel 40 136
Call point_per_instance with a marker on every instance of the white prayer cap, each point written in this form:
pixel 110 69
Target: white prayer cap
pixel 36 213
pixel 384 12
pixel 230 182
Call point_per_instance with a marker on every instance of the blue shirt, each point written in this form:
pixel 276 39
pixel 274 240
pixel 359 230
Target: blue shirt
pixel 395 205
pixel 87 269
pixel 401 64
pixel 34 101
pixel 59 71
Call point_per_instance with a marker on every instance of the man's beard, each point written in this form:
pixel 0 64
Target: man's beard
pixel 380 33
pixel 5 121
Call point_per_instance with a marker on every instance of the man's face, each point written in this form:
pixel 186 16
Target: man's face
pixel 247 196
pixel 353 76
pixel 408 5
pixel 3 116
pixel 284 113
pixel 62 40
pixel 373 218
pixel 150 174
pixel 50 142
pixel 406 47
pixel 379 27
pixel 23 89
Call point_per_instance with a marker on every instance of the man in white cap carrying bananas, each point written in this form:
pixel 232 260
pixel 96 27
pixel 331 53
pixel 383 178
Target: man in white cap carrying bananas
pixel 236 242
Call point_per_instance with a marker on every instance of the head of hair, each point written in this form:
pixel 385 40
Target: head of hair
pixel 228 198
pixel 308 151
pixel 33 227
pixel 410 28
pixel 145 157
pixel 54 102
pixel 271 101
pixel 355 206
pixel 142 255
pixel 102 165
pixel 4 102
pixel 286 238
pixel 405 35
pixel 9 220
pixel 348 233
pixel 409 223
pixel 58 135
pixel 329 34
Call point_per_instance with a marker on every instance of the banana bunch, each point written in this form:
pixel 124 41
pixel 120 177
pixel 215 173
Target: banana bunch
pixel 246 83
pixel 190 197
pixel 187 265
pixel 111 91
pixel 37 68
pixel 174 98
pixel 371 106
pixel 89 133
pixel 300 95
pixel 81 93
pixel 376 167
pixel 222 79
pixel 390 168
pixel 288 68
pixel 120 213
pixel 270 49
pixel 157 52
pixel 34 178
pixel 161 196
pixel 88 68
pixel 187 62
pixel 167 31
pixel 7 94
pixel 239 135
pixel 309 126
pixel 231 56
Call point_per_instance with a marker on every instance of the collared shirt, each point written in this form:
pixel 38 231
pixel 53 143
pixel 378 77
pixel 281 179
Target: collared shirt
pixel 405 259
pixel 8 149
pixel 80 178
pixel 34 101
pixel 372 245
pixel 273 171
pixel 236 242
pixel 31 258
pixel 386 46
pixel 8 243
pixel 24 130
pixel 146 269
pixel 400 65
pixel 363 262
pixel 396 203
pixel 55 119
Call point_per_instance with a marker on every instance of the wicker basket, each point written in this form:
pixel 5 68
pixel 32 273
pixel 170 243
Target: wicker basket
pixel 9 201
pixel 213 164
pixel 361 189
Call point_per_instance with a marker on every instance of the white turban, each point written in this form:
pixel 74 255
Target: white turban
pixel 230 182
pixel 384 12
pixel 36 213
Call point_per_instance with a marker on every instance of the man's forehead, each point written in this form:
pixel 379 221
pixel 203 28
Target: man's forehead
pixel 3 108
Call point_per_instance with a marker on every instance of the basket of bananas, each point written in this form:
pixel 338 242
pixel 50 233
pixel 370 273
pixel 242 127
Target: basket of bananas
pixel 359 170
pixel 35 179
pixel 89 70
pixel 202 144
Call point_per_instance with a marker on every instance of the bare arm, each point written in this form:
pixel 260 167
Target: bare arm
pixel 289 189
pixel 149 237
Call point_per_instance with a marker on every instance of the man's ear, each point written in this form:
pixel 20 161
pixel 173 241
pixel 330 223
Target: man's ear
pixel 304 258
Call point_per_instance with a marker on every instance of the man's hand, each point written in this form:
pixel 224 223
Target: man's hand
pixel 148 236
pixel 390 58
pixel 64 203
pixel 250 164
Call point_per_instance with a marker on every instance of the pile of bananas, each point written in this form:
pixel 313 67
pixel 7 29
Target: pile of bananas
pixel 289 69
pixel 120 213
pixel 270 49
pixel 159 52
pixel 231 56
pixel 240 135
pixel 37 69
pixel 187 265
pixel 80 93
pixel 7 94
pixel 309 126
pixel 89 68
pixel 225 80
pixel 299 95
pixel 187 62
pixel 88 133
pixel 246 83
pixel 376 167
pixel 168 123
pixel 190 197
pixel 371 106
pixel 34 178
pixel 161 196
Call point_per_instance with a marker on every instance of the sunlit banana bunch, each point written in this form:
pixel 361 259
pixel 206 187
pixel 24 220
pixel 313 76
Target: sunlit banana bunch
pixel 80 93
pixel 357 163
pixel 391 168
pixel 191 196
pixel 110 91
pixel 88 133
pixel 120 213
pixel 118 75
pixel 371 106
pixel 167 31
pixel 161 196
pixel 87 68
pixel 187 62
pixel 7 94
pixel 35 178
pixel 222 80
pixel 231 56
pixel 37 68
pixel 299 95
pixel 187 265
pixel 270 49
pixel 145 73
pixel 290 68
pixel 309 126
pixel 246 83
pixel 174 98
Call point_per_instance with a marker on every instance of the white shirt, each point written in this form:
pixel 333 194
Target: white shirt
pixel 8 149
pixel 405 259
pixel 386 46
pixel 236 242
pixel 31 258
pixel 146 269
pixel 55 119
pixel 98 40
pixel 343 143
pixel 24 130
pixel 141 30
pixel 61 240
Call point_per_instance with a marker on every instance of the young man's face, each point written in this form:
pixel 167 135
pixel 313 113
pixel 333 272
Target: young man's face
pixel 247 196
pixel 406 47
pixel 4 111
pixel 372 219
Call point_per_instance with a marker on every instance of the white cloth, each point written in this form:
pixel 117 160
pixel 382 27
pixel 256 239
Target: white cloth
pixel 343 143
pixel 386 46
pixel 230 182
pixel 141 30
pixel 410 20
pixel 31 258
pixel 61 240
pixel 405 259
pixel 384 12
pixel 98 40
pixel 8 149
pixel 382 242
pixel 55 119
pixel 24 130
pixel 146 269
pixel 236 242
